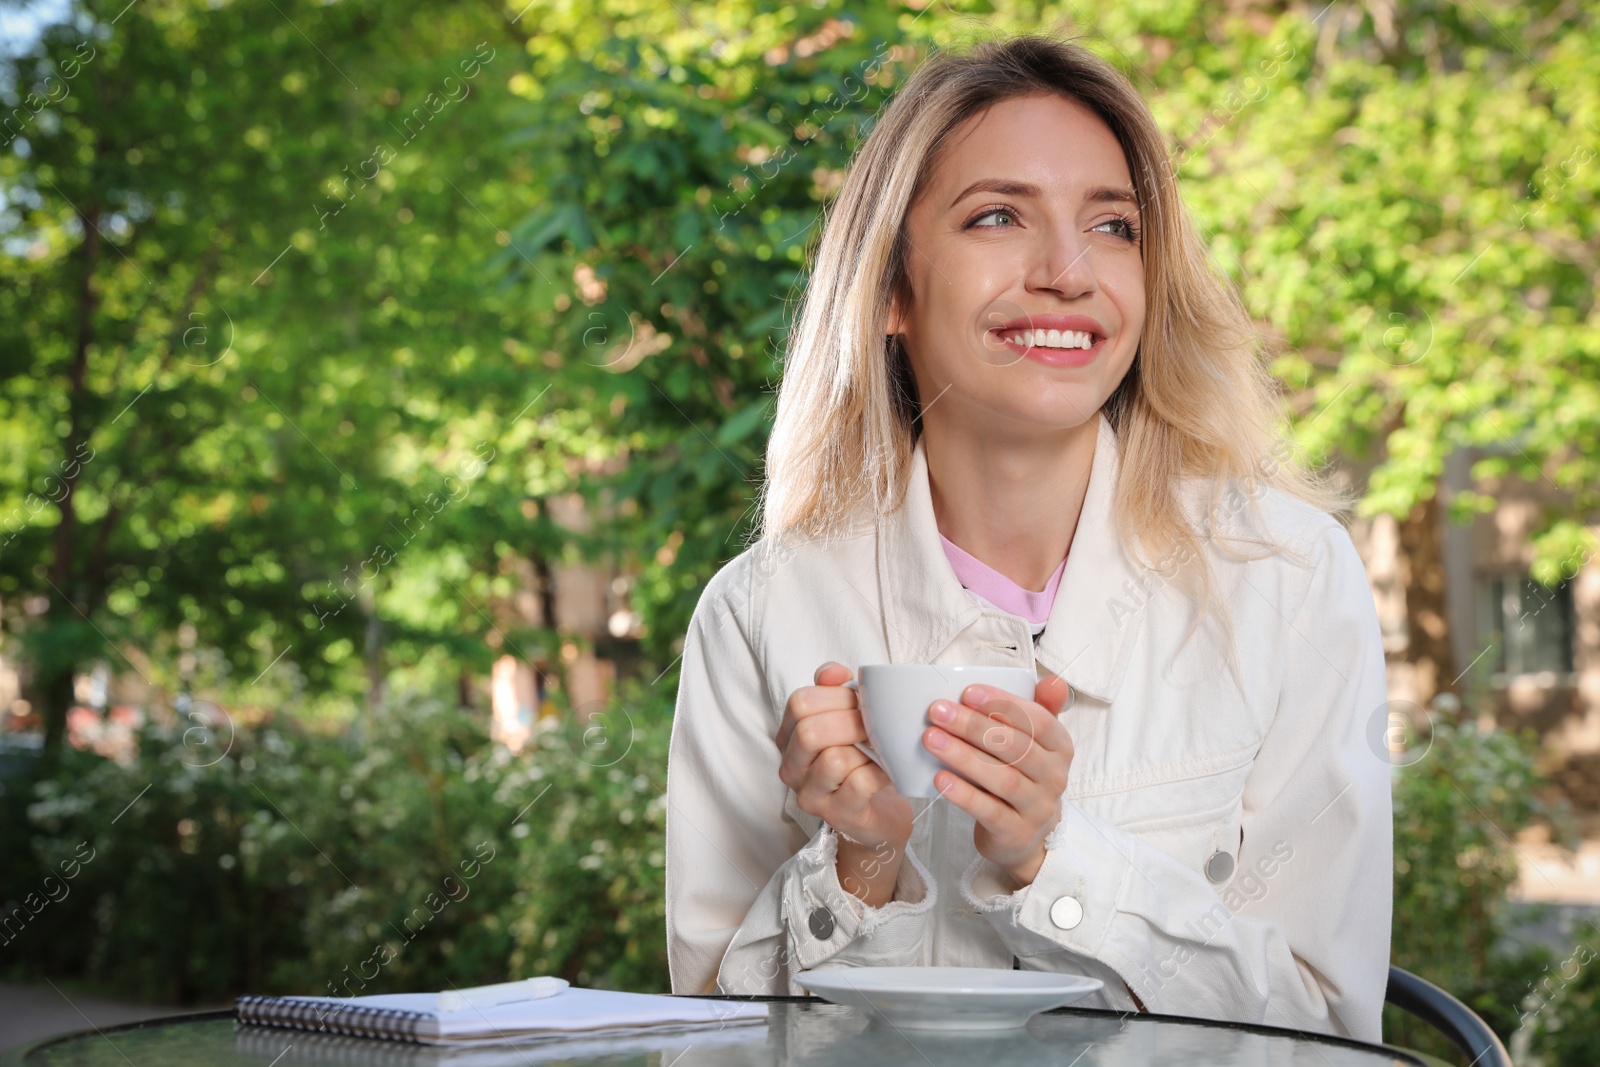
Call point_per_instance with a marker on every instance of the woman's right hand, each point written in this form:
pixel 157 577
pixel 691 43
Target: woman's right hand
pixel 831 778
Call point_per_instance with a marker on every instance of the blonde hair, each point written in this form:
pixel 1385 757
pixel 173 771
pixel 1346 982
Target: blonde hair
pixel 1198 399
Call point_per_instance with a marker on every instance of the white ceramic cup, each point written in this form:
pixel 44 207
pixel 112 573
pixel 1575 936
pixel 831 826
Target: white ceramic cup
pixel 894 700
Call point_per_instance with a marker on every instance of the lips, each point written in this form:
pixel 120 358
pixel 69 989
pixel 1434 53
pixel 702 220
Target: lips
pixel 1075 323
pixel 1057 357
pixel 1053 340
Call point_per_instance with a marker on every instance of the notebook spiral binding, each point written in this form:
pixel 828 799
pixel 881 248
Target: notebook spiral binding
pixel 319 1016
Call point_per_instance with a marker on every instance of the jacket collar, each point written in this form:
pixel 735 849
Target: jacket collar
pixel 1087 638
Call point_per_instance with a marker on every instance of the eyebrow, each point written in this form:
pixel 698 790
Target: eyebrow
pixel 1006 187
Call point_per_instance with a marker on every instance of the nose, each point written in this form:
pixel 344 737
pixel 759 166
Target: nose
pixel 1060 264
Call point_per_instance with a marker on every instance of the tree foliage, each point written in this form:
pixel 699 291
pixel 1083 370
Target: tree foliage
pixel 257 378
pixel 278 279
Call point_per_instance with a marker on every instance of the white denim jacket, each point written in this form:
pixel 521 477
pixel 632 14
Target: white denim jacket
pixel 1225 846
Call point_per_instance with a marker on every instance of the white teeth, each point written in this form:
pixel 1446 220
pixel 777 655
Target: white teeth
pixel 1051 339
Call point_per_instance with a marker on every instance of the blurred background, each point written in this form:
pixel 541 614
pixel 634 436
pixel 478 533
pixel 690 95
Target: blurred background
pixel 382 382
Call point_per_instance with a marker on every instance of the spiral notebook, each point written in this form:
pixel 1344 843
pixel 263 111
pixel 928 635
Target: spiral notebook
pixel 417 1017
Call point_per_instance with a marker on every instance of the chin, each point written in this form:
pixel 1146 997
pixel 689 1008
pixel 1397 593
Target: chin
pixel 1059 401
pixel 1054 409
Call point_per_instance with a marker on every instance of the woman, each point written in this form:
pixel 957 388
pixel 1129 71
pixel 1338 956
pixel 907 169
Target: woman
pixel 1064 456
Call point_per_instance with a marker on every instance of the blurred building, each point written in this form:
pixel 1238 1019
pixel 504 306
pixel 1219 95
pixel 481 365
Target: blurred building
pixel 588 606
pixel 1525 654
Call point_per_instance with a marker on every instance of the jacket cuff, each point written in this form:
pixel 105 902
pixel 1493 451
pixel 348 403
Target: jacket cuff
pixel 1071 901
pixel 814 904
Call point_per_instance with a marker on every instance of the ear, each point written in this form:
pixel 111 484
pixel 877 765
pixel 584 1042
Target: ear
pixel 896 320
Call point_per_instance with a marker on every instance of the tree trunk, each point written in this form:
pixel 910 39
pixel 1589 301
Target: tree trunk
pixel 377 675
pixel 1422 576
pixel 545 589
pixel 55 697
pixel 56 686
pixel 547 618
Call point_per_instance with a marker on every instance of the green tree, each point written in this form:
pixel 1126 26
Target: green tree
pixel 685 155
pixel 1408 199
pixel 255 380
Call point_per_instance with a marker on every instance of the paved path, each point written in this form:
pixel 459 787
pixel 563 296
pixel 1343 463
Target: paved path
pixel 1551 875
pixel 1561 888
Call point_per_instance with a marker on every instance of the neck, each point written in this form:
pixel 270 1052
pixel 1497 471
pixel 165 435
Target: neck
pixel 1013 502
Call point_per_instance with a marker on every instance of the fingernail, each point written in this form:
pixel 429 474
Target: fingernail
pixel 942 711
pixel 975 696
pixel 936 739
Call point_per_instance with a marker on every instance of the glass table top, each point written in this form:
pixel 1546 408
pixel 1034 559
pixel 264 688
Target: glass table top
pixel 796 1032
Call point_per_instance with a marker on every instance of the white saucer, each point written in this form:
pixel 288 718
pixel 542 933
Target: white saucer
pixel 948 998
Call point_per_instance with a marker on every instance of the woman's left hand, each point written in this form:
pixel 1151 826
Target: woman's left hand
pixel 1013 756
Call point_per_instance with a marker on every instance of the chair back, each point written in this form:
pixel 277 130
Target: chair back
pixel 1459 1024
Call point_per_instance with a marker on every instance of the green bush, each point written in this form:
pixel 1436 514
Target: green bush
pixel 1561 1013
pixel 188 888
pixel 304 863
pixel 591 903
pixel 1456 810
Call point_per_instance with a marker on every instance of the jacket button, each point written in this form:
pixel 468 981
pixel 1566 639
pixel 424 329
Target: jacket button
pixel 1066 912
pixel 821 923
pixel 1219 868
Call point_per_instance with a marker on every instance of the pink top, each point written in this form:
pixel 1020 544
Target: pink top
pixel 995 589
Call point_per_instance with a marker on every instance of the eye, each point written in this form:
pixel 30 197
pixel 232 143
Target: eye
pixel 1003 212
pixel 1129 229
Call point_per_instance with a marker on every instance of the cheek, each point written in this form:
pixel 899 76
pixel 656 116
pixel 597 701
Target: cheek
pixel 948 326
pixel 1124 283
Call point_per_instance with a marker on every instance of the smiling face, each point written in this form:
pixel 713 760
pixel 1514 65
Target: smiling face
pixel 1023 249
